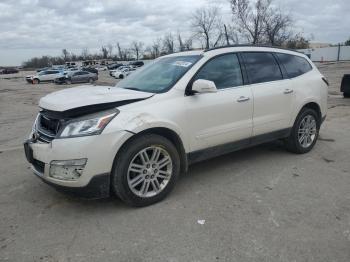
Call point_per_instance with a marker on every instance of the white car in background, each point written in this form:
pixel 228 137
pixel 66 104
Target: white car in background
pixel 44 76
pixel 123 73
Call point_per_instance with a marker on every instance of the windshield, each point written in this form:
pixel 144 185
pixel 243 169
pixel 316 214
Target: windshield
pixel 160 75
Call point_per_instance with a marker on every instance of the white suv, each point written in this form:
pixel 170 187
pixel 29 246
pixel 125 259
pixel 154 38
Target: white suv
pixel 136 138
pixel 44 76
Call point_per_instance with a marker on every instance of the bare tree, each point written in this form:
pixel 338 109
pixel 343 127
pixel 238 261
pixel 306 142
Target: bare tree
pixel 156 48
pixel 207 25
pixel 110 50
pixel 65 54
pixel 277 27
pixel 347 42
pixel 251 18
pixel 181 44
pixel 231 36
pixel 298 42
pixel 188 44
pixel 136 48
pixel 120 52
pixel 104 51
pixel 85 53
pixel 168 44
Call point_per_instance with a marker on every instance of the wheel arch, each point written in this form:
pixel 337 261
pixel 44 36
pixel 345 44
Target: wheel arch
pixel 310 104
pixel 169 134
pixel 314 106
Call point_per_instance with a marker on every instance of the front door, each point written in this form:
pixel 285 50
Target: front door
pixel 225 116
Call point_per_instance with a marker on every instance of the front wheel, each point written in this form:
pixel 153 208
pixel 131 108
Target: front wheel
pixel 145 170
pixel 36 81
pixel 305 131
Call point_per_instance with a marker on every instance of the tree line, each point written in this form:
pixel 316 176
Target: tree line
pixel 253 22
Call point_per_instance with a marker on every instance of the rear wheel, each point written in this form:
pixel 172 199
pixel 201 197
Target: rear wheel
pixel 91 80
pixel 145 170
pixel 305 131
pixel 121 76
pixel 68 81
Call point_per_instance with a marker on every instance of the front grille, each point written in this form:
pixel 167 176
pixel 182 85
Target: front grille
pixel 39 166
pixel 47 128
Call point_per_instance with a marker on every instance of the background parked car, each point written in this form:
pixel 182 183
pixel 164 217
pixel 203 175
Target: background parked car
pixel 77 77
pixel 345 85
pixel 114 66
pixel 136 63
pixel 90 69
pixel 101 68
pixel 122 73
pixel 43 69
pixel 111 72
pixel 9 71
pixel 44 76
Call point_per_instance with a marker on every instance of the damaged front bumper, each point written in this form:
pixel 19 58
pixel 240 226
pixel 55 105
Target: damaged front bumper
pixel 80 166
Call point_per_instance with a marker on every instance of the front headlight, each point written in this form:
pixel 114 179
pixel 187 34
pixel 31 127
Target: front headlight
pixel 88 125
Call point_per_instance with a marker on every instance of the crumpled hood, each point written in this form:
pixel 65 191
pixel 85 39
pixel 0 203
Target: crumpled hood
pixel 86 95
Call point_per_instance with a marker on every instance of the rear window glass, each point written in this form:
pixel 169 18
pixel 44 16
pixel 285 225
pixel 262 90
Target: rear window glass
pixel 294 65
pixel 261 67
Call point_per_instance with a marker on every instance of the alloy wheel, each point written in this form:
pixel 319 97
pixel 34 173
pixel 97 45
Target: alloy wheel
pixel 149 171
pixel 307 131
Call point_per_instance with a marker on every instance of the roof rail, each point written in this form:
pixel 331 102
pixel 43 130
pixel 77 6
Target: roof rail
pixel 249 45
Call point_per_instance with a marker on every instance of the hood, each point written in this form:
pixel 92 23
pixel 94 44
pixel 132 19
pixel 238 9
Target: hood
pixel 87 95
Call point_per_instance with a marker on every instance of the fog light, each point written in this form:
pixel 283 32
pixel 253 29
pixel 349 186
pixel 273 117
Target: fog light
pixel 67 169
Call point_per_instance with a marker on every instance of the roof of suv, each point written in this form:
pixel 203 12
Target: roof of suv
pixel 236 48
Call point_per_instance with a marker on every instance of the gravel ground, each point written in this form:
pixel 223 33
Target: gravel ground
pixel 259 204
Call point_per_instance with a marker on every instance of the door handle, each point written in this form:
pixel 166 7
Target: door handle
pixel 243 99
pixel 288 91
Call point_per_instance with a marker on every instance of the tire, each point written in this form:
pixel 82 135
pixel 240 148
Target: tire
pixel 147 174
pixel 346 95
pixel 36 81
pixel 300 142
pixel 91 80
pixel 68 82
pixel 121 76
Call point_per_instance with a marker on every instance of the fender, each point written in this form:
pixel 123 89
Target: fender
pixel 136 123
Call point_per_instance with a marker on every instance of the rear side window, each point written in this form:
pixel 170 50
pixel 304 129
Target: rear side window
pixel 224 71
pixel 261 67
pixel 294 65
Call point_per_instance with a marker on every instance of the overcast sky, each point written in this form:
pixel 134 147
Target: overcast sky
pixel 43 27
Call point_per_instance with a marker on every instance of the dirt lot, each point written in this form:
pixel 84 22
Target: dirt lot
pixel 259 204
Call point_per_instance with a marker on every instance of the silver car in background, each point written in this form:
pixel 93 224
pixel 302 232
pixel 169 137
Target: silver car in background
pixel 77 77
pixel 44 76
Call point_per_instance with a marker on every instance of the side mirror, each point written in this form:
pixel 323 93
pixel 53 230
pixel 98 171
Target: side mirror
pixel 203 86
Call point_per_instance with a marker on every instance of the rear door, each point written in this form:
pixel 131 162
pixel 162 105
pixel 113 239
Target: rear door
pixel 225 116
pixel 45 76
pixel 84 76
pixel 76 77
pixel 273 95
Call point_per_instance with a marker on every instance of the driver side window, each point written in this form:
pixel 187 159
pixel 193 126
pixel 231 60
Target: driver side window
pixel 224 71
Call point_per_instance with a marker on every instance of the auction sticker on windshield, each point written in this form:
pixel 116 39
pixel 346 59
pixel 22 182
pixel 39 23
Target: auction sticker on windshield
pixel 182 63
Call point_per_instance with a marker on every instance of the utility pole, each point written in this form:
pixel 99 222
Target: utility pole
pixel 226 35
